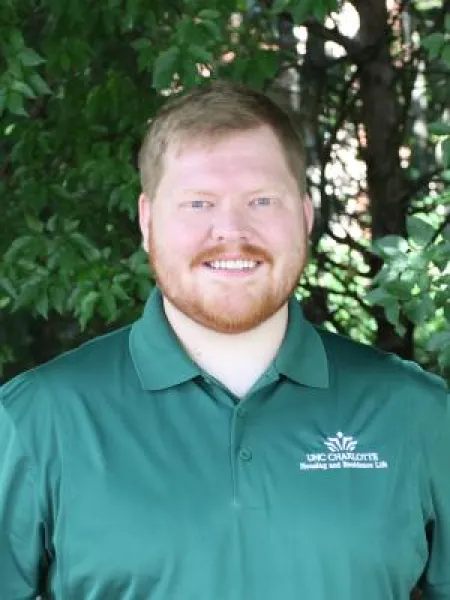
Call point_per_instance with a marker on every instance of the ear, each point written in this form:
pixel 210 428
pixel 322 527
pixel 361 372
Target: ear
pixel 145 215
pixel 308 211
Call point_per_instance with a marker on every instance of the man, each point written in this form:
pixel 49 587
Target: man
pixel 222 447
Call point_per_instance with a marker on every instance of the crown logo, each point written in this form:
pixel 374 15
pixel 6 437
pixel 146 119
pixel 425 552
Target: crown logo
pixel 341 443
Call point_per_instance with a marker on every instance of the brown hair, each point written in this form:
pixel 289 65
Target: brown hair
pixel 212 111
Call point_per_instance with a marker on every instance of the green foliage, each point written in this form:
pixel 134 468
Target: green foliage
pixel 415 278
pixel 305 9
pixel 415 281
pixel 78 83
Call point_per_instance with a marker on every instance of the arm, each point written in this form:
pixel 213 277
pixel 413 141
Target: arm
pixel 437 461
pixel 21 530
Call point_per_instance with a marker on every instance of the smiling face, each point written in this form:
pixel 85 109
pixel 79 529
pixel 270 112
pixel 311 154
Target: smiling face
pixel 227 231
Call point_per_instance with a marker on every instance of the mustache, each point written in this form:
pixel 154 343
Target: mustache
pixel 245 252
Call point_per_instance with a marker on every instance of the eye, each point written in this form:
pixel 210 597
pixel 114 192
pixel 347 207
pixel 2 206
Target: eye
pixel 198 204
pixel 262 201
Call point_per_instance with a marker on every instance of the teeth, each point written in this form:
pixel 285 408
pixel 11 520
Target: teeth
pixel 233 265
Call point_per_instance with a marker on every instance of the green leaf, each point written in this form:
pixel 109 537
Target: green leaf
pixel 438 340
pixel 39 84
pixel 29 58
pixel 446 54
pixel 184 29
pixel 141 43
pixel 16 40
pixel 86 307
pixel 212 29
pixel 209 14
pixel 419 230
pixel 189 72
pixel 444 358
pixel 447 23
pixel 57 298
pixel 4 302
pixel 15 68
pixel 41 305
pixel 8 287
pixel 14 103
pixel 84 246
pixel 378 296
pixel 433 43
pixel 390 245
pixel 321 9
pixel 446 152
pixel 23 88
pixel 2 101
pixel 400 290
pixel 165 68
pixel 421 310
pixel 447 311
pixel 119 292
pixel 444 198
pixel 108 304
pixel 439 128
pixel 200 54
pixel 34 224
pixel 301 10
pixel 268 62
pixel 392 312
pixel 280 6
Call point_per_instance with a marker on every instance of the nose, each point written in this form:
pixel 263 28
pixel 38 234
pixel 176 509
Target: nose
pixel 230 225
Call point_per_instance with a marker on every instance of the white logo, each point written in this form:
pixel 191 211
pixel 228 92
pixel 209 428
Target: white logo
pixel 342 455
pixel 340 442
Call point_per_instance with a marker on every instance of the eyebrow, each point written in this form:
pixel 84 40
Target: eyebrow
pixel 255 192
pixel 194 192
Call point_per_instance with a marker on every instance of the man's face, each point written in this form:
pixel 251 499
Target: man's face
pixel 227 231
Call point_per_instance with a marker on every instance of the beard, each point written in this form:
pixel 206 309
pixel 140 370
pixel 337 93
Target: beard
pixel 228 307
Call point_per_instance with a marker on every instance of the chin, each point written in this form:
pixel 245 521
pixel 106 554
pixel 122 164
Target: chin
pixel 227 321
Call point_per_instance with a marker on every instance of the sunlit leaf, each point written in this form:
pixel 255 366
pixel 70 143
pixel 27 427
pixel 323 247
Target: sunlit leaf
pixel 419 230
pixel 30 58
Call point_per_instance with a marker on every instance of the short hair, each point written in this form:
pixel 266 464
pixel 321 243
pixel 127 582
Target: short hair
pixel 212 111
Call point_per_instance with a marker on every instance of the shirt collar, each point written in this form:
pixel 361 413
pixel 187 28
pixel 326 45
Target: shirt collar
pixel 302 356
pixel 159 359
pixel 161 362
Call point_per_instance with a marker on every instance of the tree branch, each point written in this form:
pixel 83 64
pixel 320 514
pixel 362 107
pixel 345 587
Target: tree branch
pixel 439 230
pixel 351 46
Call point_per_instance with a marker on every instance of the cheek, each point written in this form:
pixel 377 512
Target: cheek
pixel 179 239
pixel 285 237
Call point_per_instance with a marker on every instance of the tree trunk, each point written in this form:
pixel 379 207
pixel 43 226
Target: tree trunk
pixel 381 116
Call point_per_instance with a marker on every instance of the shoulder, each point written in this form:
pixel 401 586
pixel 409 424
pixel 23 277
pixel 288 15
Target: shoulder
pixel 88 367
pixel 351 360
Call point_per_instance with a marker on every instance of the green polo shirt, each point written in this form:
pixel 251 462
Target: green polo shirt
pixel 128 474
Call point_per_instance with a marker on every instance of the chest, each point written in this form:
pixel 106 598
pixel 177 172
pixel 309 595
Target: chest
pixel 293 488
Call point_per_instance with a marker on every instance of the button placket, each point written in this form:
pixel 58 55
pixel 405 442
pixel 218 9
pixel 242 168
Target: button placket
pixel 240 452
pixel 241 412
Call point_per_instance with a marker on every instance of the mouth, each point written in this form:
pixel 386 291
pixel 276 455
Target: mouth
pixel 233 267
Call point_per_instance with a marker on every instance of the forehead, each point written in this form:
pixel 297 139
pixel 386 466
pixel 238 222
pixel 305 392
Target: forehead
pixel 254 152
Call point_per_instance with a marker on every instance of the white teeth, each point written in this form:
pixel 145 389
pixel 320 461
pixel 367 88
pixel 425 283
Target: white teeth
pixel 233 265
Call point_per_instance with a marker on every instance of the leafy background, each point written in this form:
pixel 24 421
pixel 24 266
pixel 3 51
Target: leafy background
pixel 367 81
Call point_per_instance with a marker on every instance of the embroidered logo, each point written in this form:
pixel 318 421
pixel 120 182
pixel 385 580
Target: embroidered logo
pixel 340 442
pixel 341 455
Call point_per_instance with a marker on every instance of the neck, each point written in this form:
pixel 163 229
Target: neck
pixel 236 360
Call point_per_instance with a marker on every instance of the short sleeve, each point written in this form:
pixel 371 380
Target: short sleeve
pixel 20 523
pixel 437 461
